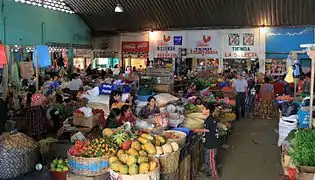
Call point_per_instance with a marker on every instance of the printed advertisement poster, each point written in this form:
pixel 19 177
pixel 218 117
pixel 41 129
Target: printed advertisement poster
pixel 204 44
pixel 166 44
pixel 241 44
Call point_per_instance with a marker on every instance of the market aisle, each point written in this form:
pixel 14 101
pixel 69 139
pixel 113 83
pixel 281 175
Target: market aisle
pixel 253 153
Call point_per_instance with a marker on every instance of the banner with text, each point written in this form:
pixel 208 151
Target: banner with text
pixel 203 44
pixel 240 44
pixel 166 44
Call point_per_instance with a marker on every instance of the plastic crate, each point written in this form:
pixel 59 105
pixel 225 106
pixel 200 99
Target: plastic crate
pixel 303 118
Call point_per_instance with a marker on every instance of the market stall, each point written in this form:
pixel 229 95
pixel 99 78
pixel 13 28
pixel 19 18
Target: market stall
pixel 296 133
pixel 135 54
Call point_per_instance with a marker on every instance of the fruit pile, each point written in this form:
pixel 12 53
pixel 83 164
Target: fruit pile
pixel 59 165
pixel 95 148
pixel 134 158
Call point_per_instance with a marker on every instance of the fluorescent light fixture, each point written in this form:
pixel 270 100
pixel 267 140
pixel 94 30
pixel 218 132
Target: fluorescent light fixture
pixel 307 45
pixel 119 8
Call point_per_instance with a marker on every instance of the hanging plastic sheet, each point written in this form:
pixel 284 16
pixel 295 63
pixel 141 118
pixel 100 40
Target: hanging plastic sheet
pixel 15 75
pixel 42 52
pixel 3 57
pixel 20 54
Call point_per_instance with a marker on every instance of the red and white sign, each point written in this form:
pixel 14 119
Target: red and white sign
pixel 137 46
pixel 203 44
pixel 163 43
pixel 240 44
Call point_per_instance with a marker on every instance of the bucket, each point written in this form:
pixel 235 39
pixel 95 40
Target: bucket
pixel 55 175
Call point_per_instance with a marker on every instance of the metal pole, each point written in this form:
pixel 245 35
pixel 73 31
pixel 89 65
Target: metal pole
pixel 37 73
pixel 312 92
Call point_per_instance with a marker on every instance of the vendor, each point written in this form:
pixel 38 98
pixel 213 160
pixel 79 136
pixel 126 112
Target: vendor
pixel 115 100
pixel 75 84
pixel 198 101
pixel 150 109
pixel 113 118
pixel 126 115
pixel 191 90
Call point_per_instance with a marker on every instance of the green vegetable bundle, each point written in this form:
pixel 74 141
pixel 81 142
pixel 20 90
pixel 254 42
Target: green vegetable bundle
pixel 303 149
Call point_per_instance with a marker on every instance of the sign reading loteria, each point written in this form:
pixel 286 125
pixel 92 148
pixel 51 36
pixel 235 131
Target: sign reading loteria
pixel 203 44
pixel 241 44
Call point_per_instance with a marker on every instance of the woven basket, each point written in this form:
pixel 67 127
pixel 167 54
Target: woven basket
pixel 230 95
pixel 16 160
pixel 169 162
pixel 88 166
pixel 152 175
pixel 181 142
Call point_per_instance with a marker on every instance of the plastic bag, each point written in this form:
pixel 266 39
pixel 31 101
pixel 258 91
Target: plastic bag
pixel 286 125
pixel 289 108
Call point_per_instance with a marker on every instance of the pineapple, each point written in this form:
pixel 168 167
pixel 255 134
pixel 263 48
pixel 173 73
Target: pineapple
pixel 120 137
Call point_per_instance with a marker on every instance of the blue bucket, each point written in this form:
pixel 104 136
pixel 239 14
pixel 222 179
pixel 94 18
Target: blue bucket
pixel 184 130
pixel 144 98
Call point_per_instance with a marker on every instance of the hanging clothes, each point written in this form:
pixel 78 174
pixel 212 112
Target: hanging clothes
pixel 42 53
pixel 297 70
pixel 15 81
pixel 3 57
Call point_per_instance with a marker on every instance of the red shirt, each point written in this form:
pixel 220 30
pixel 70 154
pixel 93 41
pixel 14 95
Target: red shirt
pixel 127 118
pixel 279 88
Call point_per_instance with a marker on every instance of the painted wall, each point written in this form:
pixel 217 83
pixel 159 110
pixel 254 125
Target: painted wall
pixel 23 25
pixel 281 41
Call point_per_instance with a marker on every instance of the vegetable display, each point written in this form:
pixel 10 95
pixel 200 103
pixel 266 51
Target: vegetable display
pixel 59 165
pixel 302 151
pixel 133 157
pixel 94 148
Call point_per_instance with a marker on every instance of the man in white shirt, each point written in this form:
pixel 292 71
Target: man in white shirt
pixel 240 87
pixel 75 83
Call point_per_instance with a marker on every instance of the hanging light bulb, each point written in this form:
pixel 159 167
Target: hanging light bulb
pixel 119 8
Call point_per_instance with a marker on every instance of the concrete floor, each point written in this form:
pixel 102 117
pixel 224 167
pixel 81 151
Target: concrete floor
pixel 253 153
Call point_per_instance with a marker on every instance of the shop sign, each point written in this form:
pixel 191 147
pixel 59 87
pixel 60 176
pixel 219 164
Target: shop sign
pixel 167 44
pixel 82 53
pixel 178 40
pixel 241 44
pixel 204 44
pixel 137 46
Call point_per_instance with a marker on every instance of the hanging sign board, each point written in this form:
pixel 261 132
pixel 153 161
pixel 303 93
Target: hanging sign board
pixel 135 47
pixel 241 44
pixel 166 44
pixel 204 44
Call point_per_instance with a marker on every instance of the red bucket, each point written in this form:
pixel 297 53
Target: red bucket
pixel 56 175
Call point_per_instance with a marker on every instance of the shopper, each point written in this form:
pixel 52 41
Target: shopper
pixel 210 141
pixel 240 87
pixel 267 96
pixel 35 115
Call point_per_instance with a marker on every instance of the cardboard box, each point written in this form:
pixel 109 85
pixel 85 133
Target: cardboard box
pixel 306 176
pixel 81 120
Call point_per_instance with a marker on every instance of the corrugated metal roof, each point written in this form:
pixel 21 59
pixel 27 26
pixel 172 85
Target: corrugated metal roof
pixel 174 14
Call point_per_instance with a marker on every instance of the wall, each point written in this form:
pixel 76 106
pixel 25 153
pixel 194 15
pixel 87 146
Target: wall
pixel 23 25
